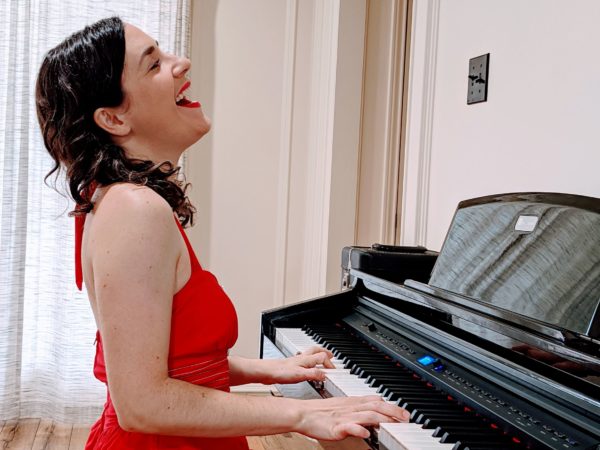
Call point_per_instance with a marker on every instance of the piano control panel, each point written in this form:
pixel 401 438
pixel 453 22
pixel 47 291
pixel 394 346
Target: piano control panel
pixel 493 344
pixel 469 388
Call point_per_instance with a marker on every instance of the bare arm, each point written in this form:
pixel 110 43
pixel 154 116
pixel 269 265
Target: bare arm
pixel 136 242
pixel 302 367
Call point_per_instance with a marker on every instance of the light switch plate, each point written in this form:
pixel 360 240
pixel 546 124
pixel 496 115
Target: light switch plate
pixel 478 79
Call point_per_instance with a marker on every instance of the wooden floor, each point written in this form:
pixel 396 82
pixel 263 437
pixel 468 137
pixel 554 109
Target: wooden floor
pixel 40 434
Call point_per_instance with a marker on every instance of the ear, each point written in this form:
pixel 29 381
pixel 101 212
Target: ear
pixel 110 121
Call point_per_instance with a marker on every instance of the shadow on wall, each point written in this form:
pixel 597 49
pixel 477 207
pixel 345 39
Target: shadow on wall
pixel 199 156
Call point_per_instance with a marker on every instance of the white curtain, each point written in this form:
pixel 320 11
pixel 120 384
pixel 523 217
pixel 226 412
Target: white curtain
pixel 46 325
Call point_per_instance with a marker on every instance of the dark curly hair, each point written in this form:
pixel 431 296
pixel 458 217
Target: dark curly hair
pixel 76 77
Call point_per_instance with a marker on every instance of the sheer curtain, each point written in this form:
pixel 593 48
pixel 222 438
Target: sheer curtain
pixel 47 329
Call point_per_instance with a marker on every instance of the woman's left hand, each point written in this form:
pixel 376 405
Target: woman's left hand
pixel 302 367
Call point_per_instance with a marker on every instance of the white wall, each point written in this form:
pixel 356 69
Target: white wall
pixel 281 81
pixel 274 182
pixel 538 131
pixel 234 168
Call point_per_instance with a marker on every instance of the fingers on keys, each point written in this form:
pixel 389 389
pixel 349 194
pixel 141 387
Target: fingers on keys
pixel 316 349
pixel 363 412
pixel 350 429
pixel 392 413
pixel 319 358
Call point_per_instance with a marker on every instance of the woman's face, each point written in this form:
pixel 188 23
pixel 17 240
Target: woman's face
pixel 152 81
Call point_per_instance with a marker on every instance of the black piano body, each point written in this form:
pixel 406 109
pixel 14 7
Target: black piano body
pixel 505 332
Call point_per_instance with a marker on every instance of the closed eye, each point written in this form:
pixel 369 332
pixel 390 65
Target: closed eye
pixel 156 65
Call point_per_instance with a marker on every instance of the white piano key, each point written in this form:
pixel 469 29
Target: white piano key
pixel 353 384
pixel 339 382
pixel 409 436
pixel 291 341
pixel 334 371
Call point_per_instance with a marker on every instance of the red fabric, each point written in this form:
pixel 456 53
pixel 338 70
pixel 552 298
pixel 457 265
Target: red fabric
pixel 79 221
pixel 203 328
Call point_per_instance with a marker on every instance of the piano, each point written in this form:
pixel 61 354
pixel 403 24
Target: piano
pixel 492 344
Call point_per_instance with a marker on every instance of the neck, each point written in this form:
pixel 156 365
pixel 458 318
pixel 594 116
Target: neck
pixel 146 151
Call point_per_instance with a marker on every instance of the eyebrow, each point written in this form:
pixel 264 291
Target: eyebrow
pixel 149 50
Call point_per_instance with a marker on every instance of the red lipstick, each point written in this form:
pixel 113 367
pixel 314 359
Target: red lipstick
pixel 184 102
pixel 184 87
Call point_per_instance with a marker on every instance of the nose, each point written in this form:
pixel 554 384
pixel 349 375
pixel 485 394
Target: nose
pixel 181 66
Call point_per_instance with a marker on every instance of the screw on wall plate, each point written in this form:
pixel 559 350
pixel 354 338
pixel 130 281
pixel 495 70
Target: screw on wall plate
pixel 478 79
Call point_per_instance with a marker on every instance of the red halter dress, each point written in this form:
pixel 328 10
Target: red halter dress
pixel 203 329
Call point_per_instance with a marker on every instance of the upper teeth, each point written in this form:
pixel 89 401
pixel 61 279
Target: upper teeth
pixel 179 97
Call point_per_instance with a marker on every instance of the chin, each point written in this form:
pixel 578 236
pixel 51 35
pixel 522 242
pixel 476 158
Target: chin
pixel 203 128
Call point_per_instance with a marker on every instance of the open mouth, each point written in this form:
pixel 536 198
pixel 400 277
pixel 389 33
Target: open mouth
pixel 182 100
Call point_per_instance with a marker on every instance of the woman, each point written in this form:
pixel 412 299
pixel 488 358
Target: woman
pixel 114 116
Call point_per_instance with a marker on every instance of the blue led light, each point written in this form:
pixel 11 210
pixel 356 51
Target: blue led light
pixel 426 360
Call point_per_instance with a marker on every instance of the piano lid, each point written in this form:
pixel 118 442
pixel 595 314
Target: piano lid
pixel 534 254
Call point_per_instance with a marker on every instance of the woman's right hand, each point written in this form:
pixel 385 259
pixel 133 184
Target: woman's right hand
pixel 336 418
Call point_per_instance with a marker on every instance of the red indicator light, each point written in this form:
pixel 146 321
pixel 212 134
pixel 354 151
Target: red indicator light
pixel 450 398
pixel 516 440
pixel 494 426
pixel 467 409
pixel 387 357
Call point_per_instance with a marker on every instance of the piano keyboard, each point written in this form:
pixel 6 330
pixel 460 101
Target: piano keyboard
pixel 437 420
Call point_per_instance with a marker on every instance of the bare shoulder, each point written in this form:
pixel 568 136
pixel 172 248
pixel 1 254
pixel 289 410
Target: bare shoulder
pixel 130 201
pixel 133 219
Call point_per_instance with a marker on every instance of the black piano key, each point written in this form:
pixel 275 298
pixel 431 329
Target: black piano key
pixel 379 370
pixel 438 413
pixel 402 386
pixel 367 367
pixel 337 338
pixel 420 417
pixel 484 446
pixel 463 428
pixel 412 402
pixel 433 423
pixel 386 391
pixel 415 398
pixel 470 438
pixel 428 405
pixel 353 350
pixel 373 364
pixel 386 388
pixel 377 380
pixel 390 374
pixel 421 404
pixel 418 401
pixel 360 369
pixel 367 357
pixel 395 394
pixel 400 399
pixel 466 437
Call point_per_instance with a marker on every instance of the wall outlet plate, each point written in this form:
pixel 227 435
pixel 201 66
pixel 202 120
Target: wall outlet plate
pixel 478 79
